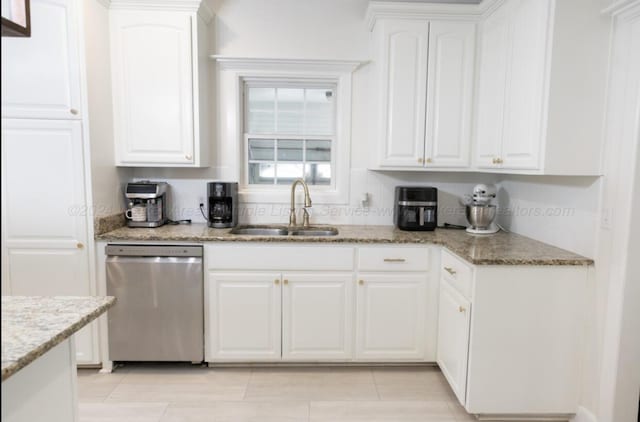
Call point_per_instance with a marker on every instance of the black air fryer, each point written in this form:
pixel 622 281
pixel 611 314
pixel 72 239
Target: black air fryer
pixel 416 208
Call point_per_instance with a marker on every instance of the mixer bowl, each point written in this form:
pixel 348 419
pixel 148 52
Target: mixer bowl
pixel 480 216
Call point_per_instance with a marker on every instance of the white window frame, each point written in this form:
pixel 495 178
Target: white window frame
pixel 336 72
pixel 283 83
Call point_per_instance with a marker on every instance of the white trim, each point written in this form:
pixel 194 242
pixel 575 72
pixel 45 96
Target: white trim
pixel 425 11
pixel 282 64
pixel 105 3
pixel 584 415
pixel 194 6
pixel 339 72
pixel 620 6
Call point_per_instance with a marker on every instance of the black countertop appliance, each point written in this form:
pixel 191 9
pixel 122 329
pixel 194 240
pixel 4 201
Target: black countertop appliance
pixel 416 208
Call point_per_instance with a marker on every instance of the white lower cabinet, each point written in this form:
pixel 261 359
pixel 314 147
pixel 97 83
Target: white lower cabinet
pixel 391 317
pixel 303 303
pixel 508 336
pixel 453 338
pixel 317 316
pixel 243 316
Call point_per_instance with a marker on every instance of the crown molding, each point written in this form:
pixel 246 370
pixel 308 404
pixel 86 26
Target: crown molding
pixel 621 7
pixel 193 6
pixel 264 63
pixel 420 11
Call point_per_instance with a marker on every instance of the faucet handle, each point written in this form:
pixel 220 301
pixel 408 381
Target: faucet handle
pixel 305 217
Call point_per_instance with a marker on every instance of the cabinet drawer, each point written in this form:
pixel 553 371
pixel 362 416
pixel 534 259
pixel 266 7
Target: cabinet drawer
pixel 393 259
pixel 458 273
pixel 279 258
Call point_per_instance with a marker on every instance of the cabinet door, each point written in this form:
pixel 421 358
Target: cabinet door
pixel 525 84
pixel 491 88
pixel 403 61
pixel 44 225
pixel 454 315
pixel 151 55
pixel 390 317
pixel 41 74
pixel 242 317
pixel 317 316
pixel 449 93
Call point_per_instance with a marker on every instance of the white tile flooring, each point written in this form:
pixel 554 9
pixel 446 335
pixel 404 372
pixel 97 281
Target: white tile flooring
pixel 185 393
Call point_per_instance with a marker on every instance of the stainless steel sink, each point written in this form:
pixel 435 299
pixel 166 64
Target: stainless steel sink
pixel 284 231
pixel 314 231
pixel 260 231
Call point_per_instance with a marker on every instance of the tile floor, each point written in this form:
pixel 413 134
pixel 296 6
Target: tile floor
pixel 185 393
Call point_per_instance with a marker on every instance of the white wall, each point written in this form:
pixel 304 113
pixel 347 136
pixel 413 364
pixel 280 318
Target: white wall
pixel 107 180
pixel 561 211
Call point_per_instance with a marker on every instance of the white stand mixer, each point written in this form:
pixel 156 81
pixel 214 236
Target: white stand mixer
pixel 480 212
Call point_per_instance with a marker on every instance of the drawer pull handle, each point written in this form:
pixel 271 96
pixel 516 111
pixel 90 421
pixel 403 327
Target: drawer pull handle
pixel 394 260
pixel 450 270
pixel 285 281
pixel 361 282
pixel 276 281
pixel 462 309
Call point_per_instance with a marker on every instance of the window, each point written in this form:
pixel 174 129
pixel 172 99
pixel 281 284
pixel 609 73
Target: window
pixel 289 132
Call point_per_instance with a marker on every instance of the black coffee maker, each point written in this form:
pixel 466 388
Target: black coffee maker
pixel 223 204
pixel 416 208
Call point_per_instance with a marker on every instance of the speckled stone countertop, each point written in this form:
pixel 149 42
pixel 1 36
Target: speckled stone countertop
pixel 499 249
pixel 32 325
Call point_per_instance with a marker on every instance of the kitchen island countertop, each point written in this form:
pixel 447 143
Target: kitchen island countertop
pixel 498 249
pixel 33 325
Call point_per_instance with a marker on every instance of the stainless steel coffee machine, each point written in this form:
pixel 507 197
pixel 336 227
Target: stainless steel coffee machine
pixel 223 204
pixel 146 204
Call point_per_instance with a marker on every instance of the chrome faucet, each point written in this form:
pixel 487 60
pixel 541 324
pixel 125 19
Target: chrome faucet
pixel 307 204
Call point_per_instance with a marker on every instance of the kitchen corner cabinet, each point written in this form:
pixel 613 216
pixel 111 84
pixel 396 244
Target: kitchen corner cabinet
pixel 41 74
pixel 541 100
pixel 508 336
pixel 425 75
pixel 159 73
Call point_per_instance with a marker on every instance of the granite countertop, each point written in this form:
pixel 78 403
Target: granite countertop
pixel 32 325
pixel 499 249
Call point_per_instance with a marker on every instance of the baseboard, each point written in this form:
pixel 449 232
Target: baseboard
pixel 584 415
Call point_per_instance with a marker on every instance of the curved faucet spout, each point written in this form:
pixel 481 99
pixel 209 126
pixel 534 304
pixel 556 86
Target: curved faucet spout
pixel 307 203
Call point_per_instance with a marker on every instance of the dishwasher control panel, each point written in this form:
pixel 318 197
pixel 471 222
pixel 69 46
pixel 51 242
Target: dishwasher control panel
pixel 153 250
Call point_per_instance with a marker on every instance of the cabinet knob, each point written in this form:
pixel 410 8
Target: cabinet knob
pixel 285 281
pixel 420 160
pixel 188 157
pixel 450 270
pixel 499 160
pixel 276 281
pixel 428 160
pixel 462 309
pixel 79 245
pixel 73 111
pixel 361 282
pixel 494 161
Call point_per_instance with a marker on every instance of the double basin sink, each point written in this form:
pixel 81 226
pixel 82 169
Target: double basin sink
pixel 284 231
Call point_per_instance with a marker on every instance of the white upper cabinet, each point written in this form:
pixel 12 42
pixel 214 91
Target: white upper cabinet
pixel 541 95
pixel 159 89
pixel 449 94
pixel 41 74
pixel 403 59
pixel 425 79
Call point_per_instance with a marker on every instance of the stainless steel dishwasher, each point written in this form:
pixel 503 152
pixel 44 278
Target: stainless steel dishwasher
pixel 159 313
